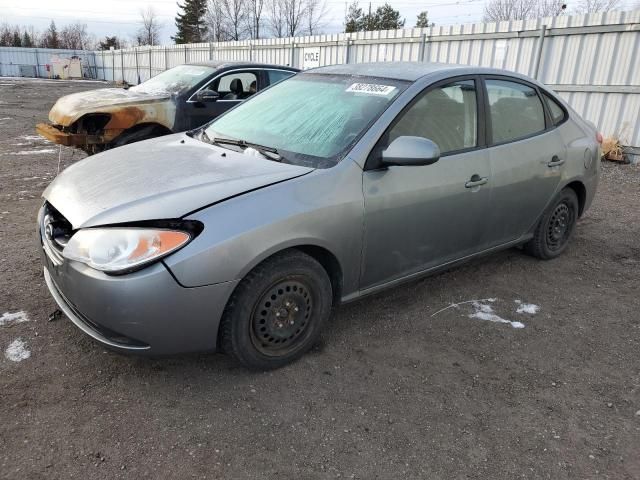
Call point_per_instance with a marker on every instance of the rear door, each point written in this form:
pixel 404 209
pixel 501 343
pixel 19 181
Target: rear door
pixel 233 87
pixel 526 153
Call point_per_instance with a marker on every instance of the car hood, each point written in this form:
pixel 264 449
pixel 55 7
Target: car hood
pixel 71 107
pixel 163 178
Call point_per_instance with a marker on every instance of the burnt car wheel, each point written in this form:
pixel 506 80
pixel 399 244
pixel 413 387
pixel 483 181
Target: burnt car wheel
pixel 556 227
pixel 277 311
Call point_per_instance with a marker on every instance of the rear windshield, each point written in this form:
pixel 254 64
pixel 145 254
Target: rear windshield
pixel 311 119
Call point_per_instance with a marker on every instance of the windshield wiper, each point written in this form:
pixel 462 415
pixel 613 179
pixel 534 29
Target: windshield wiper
pixel 270 152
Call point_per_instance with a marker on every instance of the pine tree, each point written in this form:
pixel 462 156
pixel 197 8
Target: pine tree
pixel 50 38
pixel 26 40
pixel 354 19
pixel 386 18
pixel 16 42
pixel 423 20
pixel 191 23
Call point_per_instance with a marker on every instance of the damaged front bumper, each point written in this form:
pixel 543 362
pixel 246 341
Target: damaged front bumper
pixel 56 135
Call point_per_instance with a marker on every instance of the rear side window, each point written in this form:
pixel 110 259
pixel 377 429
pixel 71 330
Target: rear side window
pixel 446 115
pixel 276 76
pixel 557 113
pixel 515 110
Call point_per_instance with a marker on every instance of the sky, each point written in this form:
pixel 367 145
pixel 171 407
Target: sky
pixel 120 17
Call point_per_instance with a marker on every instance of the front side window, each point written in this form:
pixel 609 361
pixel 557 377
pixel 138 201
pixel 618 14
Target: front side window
pixel 515 110
pixel 311 119
pixel 236 85
pixel 446 115
pixel 175 80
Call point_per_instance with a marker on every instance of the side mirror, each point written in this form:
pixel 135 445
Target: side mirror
pixel 411 151
pixel 207 96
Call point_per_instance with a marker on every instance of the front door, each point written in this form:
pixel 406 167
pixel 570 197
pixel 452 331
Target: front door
pixel 527 159
pixel 233 88
pixel 419 217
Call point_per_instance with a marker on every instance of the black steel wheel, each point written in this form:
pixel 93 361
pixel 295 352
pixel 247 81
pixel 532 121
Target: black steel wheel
pixel 280 318
pixel 277 311
pixel 556 226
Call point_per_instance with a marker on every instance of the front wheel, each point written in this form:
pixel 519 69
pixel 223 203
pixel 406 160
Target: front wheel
pixel 277 311
pixel 556 226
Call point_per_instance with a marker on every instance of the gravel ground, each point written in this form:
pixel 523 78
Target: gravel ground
pixel 392 390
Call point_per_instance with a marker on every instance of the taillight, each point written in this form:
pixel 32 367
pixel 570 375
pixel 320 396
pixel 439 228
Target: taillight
pixel 599 138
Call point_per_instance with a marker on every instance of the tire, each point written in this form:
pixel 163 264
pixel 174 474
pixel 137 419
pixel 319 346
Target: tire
pixel 556 227
pixel 277 311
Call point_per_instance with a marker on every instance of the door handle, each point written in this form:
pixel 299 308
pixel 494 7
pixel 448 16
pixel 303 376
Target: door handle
pixel 476 181
pixel 555 162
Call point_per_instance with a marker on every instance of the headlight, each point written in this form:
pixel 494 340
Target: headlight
pixel 118 250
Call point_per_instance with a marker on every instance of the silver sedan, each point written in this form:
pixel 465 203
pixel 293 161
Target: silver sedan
pixel 337 183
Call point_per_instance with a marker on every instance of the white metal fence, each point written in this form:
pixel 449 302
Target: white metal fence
pixel 593 61
pixel 38 62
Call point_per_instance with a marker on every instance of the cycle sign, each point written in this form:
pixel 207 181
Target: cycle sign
pixel 311 57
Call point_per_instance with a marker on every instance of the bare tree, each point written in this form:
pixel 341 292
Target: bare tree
pixel 316 11
pixel 74 36
pixel 276 18
pixel 234 12
pixel 593 6
pixel 551 8
pixel 150 28
pixel 499 10
pixel 294 13
pixel 216 22
pixel 254 17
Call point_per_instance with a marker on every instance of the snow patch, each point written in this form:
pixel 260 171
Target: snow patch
pixel 17 351
pixel 34 152
pixel 17 317
pixel 527 307
pixel 47 80
pixel 485 312
pixel 34 138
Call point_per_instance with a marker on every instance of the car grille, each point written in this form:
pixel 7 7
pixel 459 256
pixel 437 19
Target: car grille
pixel 55 232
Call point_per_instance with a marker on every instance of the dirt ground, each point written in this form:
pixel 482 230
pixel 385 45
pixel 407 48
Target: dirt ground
pixel 392 391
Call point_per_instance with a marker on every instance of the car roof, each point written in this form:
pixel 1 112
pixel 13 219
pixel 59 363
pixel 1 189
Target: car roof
pixel 409 71
pixel 219 64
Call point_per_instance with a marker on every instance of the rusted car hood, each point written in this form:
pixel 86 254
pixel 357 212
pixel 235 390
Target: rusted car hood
pixel 71 107
pixel 162 178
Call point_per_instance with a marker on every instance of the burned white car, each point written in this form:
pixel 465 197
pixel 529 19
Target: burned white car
pixel 179 99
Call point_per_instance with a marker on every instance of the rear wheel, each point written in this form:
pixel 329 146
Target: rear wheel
pixel 556 226
pixel 277 311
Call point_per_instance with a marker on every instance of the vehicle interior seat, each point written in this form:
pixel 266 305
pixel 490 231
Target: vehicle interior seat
pixel 437 117
pixel 237 90
pixel 253 87
pixel 516 117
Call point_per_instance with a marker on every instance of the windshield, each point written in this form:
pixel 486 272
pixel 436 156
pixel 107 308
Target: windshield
pixel 311 119
pixel 175 80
